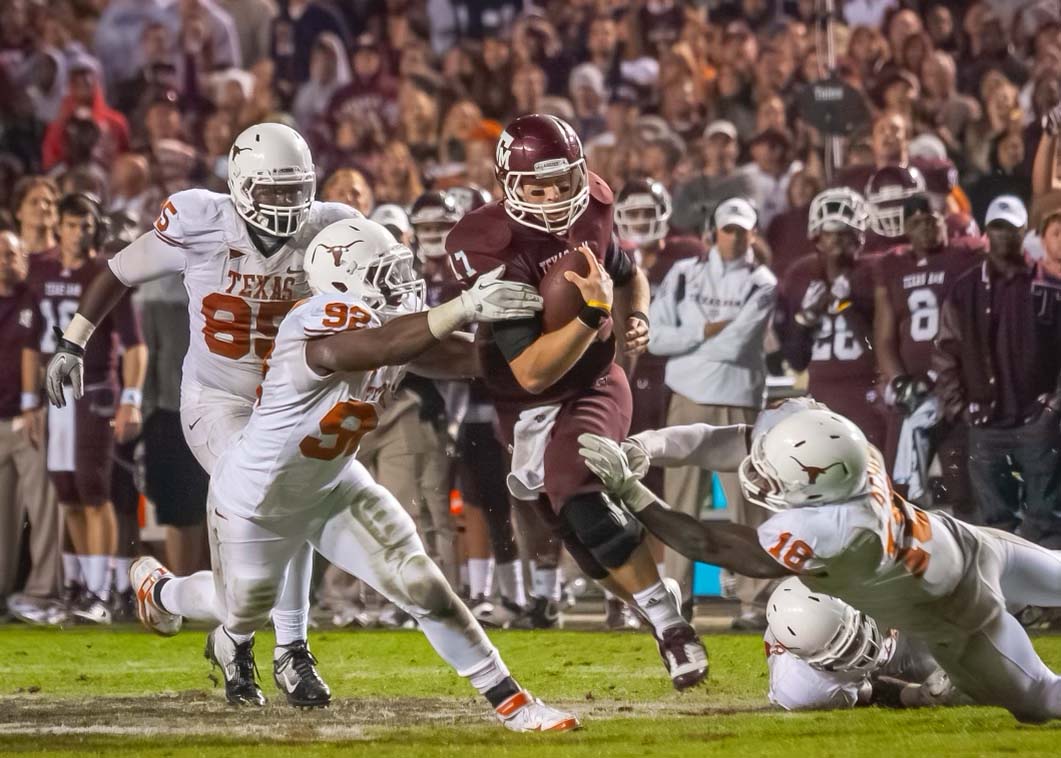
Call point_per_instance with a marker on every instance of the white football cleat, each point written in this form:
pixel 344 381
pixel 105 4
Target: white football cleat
pixel 144 574
pixel 525 713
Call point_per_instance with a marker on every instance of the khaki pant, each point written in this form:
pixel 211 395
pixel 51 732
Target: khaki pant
pixel 25 493
pixel 408 457
pixel 685 489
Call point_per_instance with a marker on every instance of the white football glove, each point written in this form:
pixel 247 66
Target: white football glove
pixel 636 456
pixel 841 289
pixel 489 299
pixel 493 299
pixel 813 295
pixel 68 363
pixel 813 305
pixel 607 460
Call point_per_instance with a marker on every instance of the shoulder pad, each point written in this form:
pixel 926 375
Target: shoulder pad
pixel 484 230
pixel 332 313
pixel 192 215
pixel 599 190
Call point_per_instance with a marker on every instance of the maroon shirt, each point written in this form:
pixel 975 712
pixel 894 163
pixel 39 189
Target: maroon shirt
pixel 18 329
pixel 487 237
pixel 57 292
pixel 916 290
pixel 788 240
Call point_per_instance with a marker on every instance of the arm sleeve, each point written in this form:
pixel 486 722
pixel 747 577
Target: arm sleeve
pixel 618 264
pixel 669 336
pixel 746 332
pixel 513 337
pixel 714 448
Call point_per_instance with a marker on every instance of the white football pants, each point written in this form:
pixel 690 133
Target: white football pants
pixel 998 665
pixel 211 421
pixel 362 529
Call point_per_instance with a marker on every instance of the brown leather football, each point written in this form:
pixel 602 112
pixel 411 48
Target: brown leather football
pixel 562 299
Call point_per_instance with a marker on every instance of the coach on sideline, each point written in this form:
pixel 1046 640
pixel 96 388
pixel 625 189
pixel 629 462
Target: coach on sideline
pixel 709 318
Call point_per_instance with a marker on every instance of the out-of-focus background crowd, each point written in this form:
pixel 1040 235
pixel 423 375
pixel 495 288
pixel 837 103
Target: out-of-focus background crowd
pixel 685 104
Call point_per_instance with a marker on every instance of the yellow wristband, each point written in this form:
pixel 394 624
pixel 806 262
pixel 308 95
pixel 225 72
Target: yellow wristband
pixel 599 304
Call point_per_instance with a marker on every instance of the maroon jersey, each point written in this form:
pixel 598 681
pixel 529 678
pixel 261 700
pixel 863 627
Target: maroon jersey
pixel 916 290
pixel 57 291
pixel 487 238
pixel 18 329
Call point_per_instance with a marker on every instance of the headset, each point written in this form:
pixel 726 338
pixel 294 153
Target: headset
pixel 74 203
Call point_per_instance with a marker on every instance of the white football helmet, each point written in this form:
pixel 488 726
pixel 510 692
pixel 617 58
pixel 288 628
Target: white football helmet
pixel 813 457
pixel 824 631
pixel 837 209
pixel 271 178
pixel 361 258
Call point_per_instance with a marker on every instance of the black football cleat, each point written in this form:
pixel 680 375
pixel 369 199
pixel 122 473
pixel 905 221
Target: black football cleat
pixel 295 674
pixel 236 661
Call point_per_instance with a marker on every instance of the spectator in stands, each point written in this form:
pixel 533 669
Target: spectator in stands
pixel 694 201
pixel 254 19
pixel 1006 176
pixel 33 205
pixel 24 491
pixel 709 318
pixel 769 172
pixel 349 186
pixel 329 70
pixel 951 111
pixel 998 359
pixel 157 69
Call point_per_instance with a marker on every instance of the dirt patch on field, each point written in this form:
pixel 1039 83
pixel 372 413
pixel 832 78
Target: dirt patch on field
pixel 201 713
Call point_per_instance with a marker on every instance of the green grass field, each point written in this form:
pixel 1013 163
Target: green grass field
pixel 121 692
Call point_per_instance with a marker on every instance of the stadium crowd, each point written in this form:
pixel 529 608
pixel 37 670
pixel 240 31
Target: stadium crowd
pixel 694 114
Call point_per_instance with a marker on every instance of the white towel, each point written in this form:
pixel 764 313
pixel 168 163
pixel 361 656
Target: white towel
pixel 913 453
pixel 62 434
pixel 529 438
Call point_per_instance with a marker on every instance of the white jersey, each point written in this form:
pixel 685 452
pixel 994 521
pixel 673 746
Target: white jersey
pixel 908 569
pixel 305 428
pixel 236 296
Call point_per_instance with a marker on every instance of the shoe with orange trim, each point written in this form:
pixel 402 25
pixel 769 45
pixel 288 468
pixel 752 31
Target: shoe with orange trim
pixel 144 574
pixel 525 713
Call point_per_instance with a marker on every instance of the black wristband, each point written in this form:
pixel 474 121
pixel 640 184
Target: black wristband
pixel 592 317
pixel 641 315
pixel 63 345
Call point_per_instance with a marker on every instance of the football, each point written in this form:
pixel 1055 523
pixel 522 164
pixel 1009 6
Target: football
pixel 562 299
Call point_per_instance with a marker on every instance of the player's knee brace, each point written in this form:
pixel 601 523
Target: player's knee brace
pixel 425 586
pixel 609 532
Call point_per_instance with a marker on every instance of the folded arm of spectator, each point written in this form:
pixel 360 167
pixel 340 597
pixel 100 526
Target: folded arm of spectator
pixel 746 331
pixel 946 362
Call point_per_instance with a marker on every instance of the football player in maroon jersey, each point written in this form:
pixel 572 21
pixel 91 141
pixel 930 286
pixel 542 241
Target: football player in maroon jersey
pixel 912 281
pixel 551 387
pixel 81 436
pixel 825 312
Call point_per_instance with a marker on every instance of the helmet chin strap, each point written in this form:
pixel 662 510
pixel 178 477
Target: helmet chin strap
pixel 267 244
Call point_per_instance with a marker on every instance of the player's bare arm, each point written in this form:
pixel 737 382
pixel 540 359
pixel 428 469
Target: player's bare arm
pixel 404 338
pixel 731 546
pixel 1046 170
pixel 452 358
pixel 32 418
pixel 127 419
pixel 546 360
pixel 631 305
pixel 885 336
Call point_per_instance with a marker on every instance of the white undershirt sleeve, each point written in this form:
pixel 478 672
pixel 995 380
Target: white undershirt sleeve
pixel 147 258
pixel 715 448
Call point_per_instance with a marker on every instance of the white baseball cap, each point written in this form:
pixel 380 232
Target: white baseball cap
pixel 721 126
pixel 737 211
pixel 390 214
pixel 1008 208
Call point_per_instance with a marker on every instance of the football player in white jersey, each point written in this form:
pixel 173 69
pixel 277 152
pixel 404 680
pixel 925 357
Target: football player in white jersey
pixel 823 654
pixel 241 257
pixel 846 533
pixel 291 475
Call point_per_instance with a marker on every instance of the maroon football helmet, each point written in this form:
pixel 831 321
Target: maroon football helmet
pixel 885 192
pixel 545 151
pixel 469 197
pixel 432 216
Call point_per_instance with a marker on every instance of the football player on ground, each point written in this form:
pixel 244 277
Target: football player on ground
pixel 241 257
pixel 823 654
pixel 551 387
pixel 81 437
pixel 291 476
pixel 912 281
pixel 841 527
pixel 825 312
